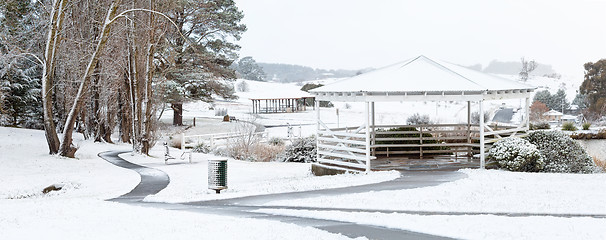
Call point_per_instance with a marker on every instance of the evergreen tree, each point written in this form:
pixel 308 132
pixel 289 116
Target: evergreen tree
pixel 247 68
pixel 198 66
pixel 20 71
pixel 594 87
pixel 559 101
pixel 556 101
pixel 580 100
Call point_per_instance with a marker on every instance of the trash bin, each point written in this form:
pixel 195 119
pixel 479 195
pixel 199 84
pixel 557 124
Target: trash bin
pixel 217 175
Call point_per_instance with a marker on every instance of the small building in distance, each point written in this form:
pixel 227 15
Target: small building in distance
pixel 553 116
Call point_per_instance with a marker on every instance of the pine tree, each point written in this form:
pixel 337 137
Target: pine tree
pixel 200 63
pixel 247 68
pixel 20 71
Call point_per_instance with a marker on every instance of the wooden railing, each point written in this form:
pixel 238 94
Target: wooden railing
pixel 347 146
pixel 342 146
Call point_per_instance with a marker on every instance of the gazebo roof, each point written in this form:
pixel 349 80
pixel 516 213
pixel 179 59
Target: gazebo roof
pixel 423 79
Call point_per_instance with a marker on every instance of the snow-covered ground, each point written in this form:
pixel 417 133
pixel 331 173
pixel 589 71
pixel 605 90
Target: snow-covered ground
pixel 492 191
pixel 78 210
pixel 60 218
pixel 189 181
pixel 468 226
pixel 484 191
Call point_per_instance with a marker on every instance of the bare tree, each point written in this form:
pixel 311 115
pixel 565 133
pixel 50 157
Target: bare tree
pixel 52 44
pixel 527 68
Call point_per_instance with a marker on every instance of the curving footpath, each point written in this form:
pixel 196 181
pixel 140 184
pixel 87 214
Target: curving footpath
pixel 153 181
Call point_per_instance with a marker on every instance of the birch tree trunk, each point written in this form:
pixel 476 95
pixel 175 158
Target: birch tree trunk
pixel 52 43
pixel 66 149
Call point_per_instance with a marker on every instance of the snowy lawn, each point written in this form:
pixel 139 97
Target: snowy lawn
pixel 48 218
pixel 27 168
pixel 469 227
pixel 79 211
pixel 188 182
pixel 483 191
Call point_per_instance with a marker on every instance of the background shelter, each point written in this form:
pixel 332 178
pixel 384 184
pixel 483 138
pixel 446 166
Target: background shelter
pixel 418 79
pixel 280 104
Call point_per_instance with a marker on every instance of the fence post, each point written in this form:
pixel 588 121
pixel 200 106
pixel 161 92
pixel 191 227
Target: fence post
pixel 183 142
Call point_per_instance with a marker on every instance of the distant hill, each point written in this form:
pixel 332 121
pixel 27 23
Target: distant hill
pixel 296 73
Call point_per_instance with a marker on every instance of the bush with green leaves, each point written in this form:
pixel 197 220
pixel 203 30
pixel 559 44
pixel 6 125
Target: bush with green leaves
pixel 568 126
pixel 301 150
pixel 586 125
pixel 561 153
pixel 516 154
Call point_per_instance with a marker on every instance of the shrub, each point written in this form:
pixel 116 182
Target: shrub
pixel 568 126
pixel 266 152
pixel 586 125
pixel 201 148
pixel 276 141
pixel 601 134
pixel 417 119
pixel 561 153
pixel 516 154
pixel 301 150
pixel 539 125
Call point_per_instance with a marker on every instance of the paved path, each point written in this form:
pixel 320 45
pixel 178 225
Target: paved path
pixel 153 181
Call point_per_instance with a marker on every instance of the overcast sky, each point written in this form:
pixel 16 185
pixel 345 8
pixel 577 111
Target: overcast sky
pixel 354 34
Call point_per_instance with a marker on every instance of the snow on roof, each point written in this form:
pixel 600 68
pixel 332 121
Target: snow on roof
pixel 553 113
pixel 422 74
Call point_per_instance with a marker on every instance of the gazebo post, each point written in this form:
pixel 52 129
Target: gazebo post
pixel 317 106
pixel 482 163
pixel 527 114
pixel 366 122
pixel 470 153
pixel 372 123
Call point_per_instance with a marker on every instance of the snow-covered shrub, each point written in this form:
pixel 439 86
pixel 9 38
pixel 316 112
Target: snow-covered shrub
pixel 242 87
pixel 568 126
pixel 201 148
pixel 417 119
pixel 539 125
pixel 301 150
pixel 516 154
pixel 275 141
pixel 561 153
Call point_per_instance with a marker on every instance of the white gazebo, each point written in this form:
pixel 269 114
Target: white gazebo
pixel 419 79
